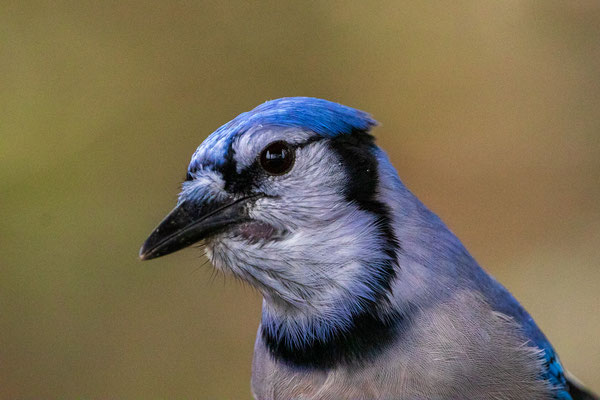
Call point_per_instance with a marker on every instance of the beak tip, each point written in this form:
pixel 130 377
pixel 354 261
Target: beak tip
pixel 144 254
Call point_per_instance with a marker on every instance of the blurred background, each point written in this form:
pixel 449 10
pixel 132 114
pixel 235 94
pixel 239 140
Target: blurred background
pixel 489 110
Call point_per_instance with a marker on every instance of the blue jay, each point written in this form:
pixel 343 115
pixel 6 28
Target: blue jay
pixel 366 293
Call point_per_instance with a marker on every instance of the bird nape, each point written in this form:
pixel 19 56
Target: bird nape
pixel 366 293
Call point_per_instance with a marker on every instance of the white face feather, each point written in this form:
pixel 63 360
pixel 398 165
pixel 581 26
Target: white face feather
pixel 207 185
pixel 315 268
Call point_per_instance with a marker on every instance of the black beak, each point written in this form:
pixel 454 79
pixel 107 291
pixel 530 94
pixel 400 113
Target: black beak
pixel 191 222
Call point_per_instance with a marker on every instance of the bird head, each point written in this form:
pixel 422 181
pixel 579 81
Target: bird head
pixel 289 197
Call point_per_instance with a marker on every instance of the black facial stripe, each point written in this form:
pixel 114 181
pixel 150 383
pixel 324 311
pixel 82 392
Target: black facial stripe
pixel 242 183
pixel 358 157
pixel 371 330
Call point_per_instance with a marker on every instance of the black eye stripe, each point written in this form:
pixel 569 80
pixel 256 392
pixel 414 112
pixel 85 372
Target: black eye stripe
pixel 243 181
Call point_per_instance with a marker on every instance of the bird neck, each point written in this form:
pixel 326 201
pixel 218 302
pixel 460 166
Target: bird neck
pixel 361 325
pixel 322 343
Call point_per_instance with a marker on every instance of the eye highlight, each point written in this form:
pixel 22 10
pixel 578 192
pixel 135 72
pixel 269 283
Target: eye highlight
pixel 277 158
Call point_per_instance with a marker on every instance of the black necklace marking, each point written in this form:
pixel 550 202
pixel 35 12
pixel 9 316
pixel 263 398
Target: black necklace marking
pixel 368 335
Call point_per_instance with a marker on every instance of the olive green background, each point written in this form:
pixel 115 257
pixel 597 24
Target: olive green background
pixel 490 110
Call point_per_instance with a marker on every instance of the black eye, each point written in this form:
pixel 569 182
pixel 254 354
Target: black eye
pixel 277 158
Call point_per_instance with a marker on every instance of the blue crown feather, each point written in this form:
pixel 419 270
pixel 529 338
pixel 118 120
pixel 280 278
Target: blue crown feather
pixel 325 118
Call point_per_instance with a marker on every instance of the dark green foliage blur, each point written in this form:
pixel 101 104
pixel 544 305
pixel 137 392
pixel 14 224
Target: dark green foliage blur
pixel 489 110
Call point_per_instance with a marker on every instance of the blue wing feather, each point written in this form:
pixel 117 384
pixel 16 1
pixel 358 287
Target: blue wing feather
pixel 555 374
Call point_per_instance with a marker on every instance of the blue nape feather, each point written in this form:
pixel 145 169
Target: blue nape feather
pixel 325 118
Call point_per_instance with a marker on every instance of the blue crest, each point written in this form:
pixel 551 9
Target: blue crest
pixel 323 117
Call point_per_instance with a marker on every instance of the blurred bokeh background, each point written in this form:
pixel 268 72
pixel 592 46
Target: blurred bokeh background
pixel 490 111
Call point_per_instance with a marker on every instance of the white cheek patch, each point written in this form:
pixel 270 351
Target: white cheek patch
pixel 309 267
pixel 310 195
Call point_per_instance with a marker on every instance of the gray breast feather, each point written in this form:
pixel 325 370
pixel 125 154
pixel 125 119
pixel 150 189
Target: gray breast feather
pixel 459 349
